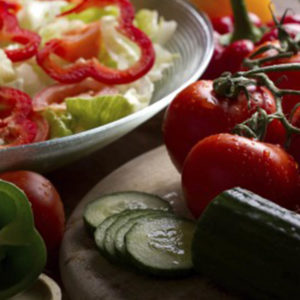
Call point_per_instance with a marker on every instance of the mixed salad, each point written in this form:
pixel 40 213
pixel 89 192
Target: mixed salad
pixel 68 67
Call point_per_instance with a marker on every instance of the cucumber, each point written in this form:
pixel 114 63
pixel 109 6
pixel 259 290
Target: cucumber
pixel 161 246
pixel 119 238
pixel 250 245
pixel 97 211
pixel 99 233
pixel 110 233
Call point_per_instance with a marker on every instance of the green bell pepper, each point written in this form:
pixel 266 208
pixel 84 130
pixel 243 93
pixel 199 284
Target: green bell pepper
pixel 22 250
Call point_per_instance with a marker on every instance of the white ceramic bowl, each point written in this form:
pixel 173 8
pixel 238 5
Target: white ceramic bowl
pixel 193 41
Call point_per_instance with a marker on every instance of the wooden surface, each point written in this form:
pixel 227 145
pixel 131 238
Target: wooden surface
pixel 87 275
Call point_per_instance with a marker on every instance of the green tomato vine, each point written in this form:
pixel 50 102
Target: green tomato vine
pixel 231 85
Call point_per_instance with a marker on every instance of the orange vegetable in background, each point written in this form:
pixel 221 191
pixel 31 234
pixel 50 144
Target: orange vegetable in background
pixel 219 8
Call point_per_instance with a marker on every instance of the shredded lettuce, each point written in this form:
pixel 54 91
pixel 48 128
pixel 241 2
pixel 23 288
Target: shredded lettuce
pixel 57 28
pixel 7 72
pixel 159 30
pixel 36 14
pixel 26 76
pixel 92 14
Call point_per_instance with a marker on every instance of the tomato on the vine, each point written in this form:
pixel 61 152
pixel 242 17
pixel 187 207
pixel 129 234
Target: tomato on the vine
pixel 198 112
pixel 224 161
pixel 294 148
pixel 282 79
pixel 46 204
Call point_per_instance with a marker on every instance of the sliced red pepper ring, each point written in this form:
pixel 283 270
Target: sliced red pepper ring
pixel 57 93
pixel 11 32
pixel 14 102
pixel 18 123
pixel 80 70
pixel 13 7
pixel 43 127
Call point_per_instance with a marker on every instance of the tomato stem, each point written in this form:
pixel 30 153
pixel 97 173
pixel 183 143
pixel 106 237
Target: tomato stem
pixel 230 86
pixel 244 29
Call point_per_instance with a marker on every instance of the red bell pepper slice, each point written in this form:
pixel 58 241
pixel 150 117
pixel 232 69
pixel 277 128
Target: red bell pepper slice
pixel 80 70
pixel 11 32
pixel 56 94
pixel 18 123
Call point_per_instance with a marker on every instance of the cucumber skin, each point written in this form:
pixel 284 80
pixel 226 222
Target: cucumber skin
pixel 147 270
pixel 250 245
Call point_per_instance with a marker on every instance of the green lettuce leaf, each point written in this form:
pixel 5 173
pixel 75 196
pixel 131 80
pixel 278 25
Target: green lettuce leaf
pixel 92 14
pixel 86 113
pixel 93 112
pixel 59 122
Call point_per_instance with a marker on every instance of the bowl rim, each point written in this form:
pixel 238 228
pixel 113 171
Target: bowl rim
pixel 155 107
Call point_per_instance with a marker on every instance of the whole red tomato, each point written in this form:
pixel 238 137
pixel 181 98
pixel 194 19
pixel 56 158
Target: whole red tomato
pixel 46 204
pixel 225 24
pixel 294 148
pixel 198 112
pixel 284 79
pixel 224 161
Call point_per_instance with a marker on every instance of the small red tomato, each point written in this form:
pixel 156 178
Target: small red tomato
pixel 294 148
pixel 215 67
pixel 225 24
pixel 197 112
pixel 234 55
pixel 46 204
pixel 293 29
pixel 224 161
pixel 227 59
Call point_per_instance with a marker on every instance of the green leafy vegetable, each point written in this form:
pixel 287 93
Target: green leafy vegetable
pixel 92 112
pixel 92 14
pixel 59 123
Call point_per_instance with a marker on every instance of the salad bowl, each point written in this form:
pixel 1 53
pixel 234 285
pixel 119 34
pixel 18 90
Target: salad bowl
pixel 192 42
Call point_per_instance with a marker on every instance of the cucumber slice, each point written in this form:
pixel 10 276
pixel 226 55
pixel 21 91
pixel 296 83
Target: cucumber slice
pixel 161 246
pixel 97 211
pixel 109 237
pixel 99 233
pixel 119 238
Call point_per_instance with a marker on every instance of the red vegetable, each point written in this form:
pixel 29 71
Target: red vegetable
pixel 224 161
pixel 91 67
pixel 57 93
pixel 283 79
pixel 18 124
pixel 237 41
pixel 294 148
pixel 293 29
pixel 198 112
pixel 46 204
pixel 225 24
pixel 11 32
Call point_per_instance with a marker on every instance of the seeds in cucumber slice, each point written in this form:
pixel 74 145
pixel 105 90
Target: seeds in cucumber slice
pixel 97 211
pixel 161 246
pixel 124 217
pixel 119 239
pixel 99 234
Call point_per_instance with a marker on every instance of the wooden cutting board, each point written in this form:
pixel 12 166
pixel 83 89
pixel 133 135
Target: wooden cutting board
pixel 86 275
